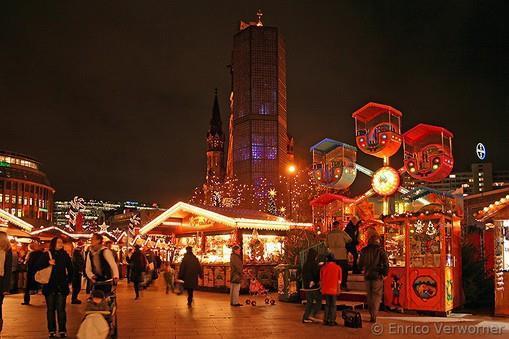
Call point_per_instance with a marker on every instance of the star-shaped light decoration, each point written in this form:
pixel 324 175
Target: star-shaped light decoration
pixel 272 192
pixel 103 227
pixel 282 209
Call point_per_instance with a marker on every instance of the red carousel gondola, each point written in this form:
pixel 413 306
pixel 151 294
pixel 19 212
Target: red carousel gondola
pixel 428 152
pixel 378 129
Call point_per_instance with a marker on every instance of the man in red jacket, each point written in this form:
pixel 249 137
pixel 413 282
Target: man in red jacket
pixel 330 277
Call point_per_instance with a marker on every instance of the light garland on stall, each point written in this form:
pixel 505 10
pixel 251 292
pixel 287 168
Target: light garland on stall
pixel 280 224
pixel 15 220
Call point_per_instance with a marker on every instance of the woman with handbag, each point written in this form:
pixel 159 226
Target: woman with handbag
pixel 55 273
pixel 5 270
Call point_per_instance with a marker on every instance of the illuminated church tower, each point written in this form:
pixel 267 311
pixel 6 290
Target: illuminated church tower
pixel 215 145
pixel 261 146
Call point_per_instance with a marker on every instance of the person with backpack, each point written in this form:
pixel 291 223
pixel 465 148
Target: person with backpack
pixel 375 263
pixel 100 264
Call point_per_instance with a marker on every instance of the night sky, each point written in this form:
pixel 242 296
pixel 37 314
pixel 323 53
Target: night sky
pixel 114 97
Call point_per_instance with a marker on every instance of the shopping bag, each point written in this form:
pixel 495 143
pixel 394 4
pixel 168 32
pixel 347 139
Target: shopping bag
pixel 43 276
pixel 352 319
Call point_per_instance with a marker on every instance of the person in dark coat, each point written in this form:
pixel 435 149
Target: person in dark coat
pixel 57 289
pixel 138 264
pixel 352 229
pixel 311 285
pixel 236 267
pixel 78 264
pixel 190 270
pixel 32 259
pixel 129 266
pixel 375 263
pixel 5 271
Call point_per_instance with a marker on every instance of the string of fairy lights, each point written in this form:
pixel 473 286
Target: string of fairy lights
pixel 289 198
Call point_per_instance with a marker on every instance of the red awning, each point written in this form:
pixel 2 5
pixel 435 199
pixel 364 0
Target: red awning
pixel 372 110
pixel 327 198
pixel 420 131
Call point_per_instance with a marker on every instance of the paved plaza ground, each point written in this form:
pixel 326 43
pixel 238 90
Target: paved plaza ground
pixel 157 315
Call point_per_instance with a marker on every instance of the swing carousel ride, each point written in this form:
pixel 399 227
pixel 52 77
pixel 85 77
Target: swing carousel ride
pixel 424 261
pixel 427 156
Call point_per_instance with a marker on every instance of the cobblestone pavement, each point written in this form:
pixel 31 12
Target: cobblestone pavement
pixel 157 315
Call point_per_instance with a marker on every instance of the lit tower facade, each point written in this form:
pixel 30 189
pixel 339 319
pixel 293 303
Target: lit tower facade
pixel 215 144
pixel 261 145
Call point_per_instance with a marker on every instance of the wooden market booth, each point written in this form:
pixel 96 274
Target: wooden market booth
pixel 212 231
pixel 16 228
pixel 495 217
pixel 424 251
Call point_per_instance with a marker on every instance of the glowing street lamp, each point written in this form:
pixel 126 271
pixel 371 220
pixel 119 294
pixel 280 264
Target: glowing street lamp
pixel 292 169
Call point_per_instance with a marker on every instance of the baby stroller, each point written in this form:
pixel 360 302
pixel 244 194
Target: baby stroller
pixel 101 324
pixel 256 289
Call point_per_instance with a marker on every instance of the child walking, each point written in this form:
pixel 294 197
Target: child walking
pixel 169 277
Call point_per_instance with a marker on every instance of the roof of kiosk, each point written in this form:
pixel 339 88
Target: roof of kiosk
pixel 236 218
pixel 372 110
pixel 327 198
pixel 16 221
pixel 492 209
pixel 327 145
pixel 418 132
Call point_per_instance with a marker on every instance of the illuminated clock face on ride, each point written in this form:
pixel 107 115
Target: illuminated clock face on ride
pixel 385 181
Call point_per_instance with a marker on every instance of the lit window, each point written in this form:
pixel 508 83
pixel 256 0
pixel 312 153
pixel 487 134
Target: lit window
pixel 31 201
pixel 7 198
pixel 13 211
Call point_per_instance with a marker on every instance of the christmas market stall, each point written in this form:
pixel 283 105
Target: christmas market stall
pixel 16 229
pixel 495 216
pixel 212 231
pixel 424 261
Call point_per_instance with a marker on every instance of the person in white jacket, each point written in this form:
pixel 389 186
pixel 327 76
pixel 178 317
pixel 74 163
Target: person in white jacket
pixel 100 264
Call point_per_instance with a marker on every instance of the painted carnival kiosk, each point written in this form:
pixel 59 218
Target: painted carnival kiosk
pixel 424 251
pixel 213 231
pixel 495 217
pixel 425 258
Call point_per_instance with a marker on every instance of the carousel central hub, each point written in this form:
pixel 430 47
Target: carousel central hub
pixel 385 181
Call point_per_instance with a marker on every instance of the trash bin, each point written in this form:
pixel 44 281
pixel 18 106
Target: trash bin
pixel 287 280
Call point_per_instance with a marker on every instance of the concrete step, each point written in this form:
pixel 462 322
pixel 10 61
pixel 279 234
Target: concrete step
pixel 355 277
pixel 353 295
pixel 356 285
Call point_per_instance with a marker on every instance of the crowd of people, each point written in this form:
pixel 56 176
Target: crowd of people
pixel 322 276
pixel 326 276
pixel 20 266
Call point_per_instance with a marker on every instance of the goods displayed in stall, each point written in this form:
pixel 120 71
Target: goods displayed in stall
pixel 213 231
pixel 424 262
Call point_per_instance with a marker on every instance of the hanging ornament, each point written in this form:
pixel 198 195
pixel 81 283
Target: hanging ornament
pixel 431 230
pixel 419 227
